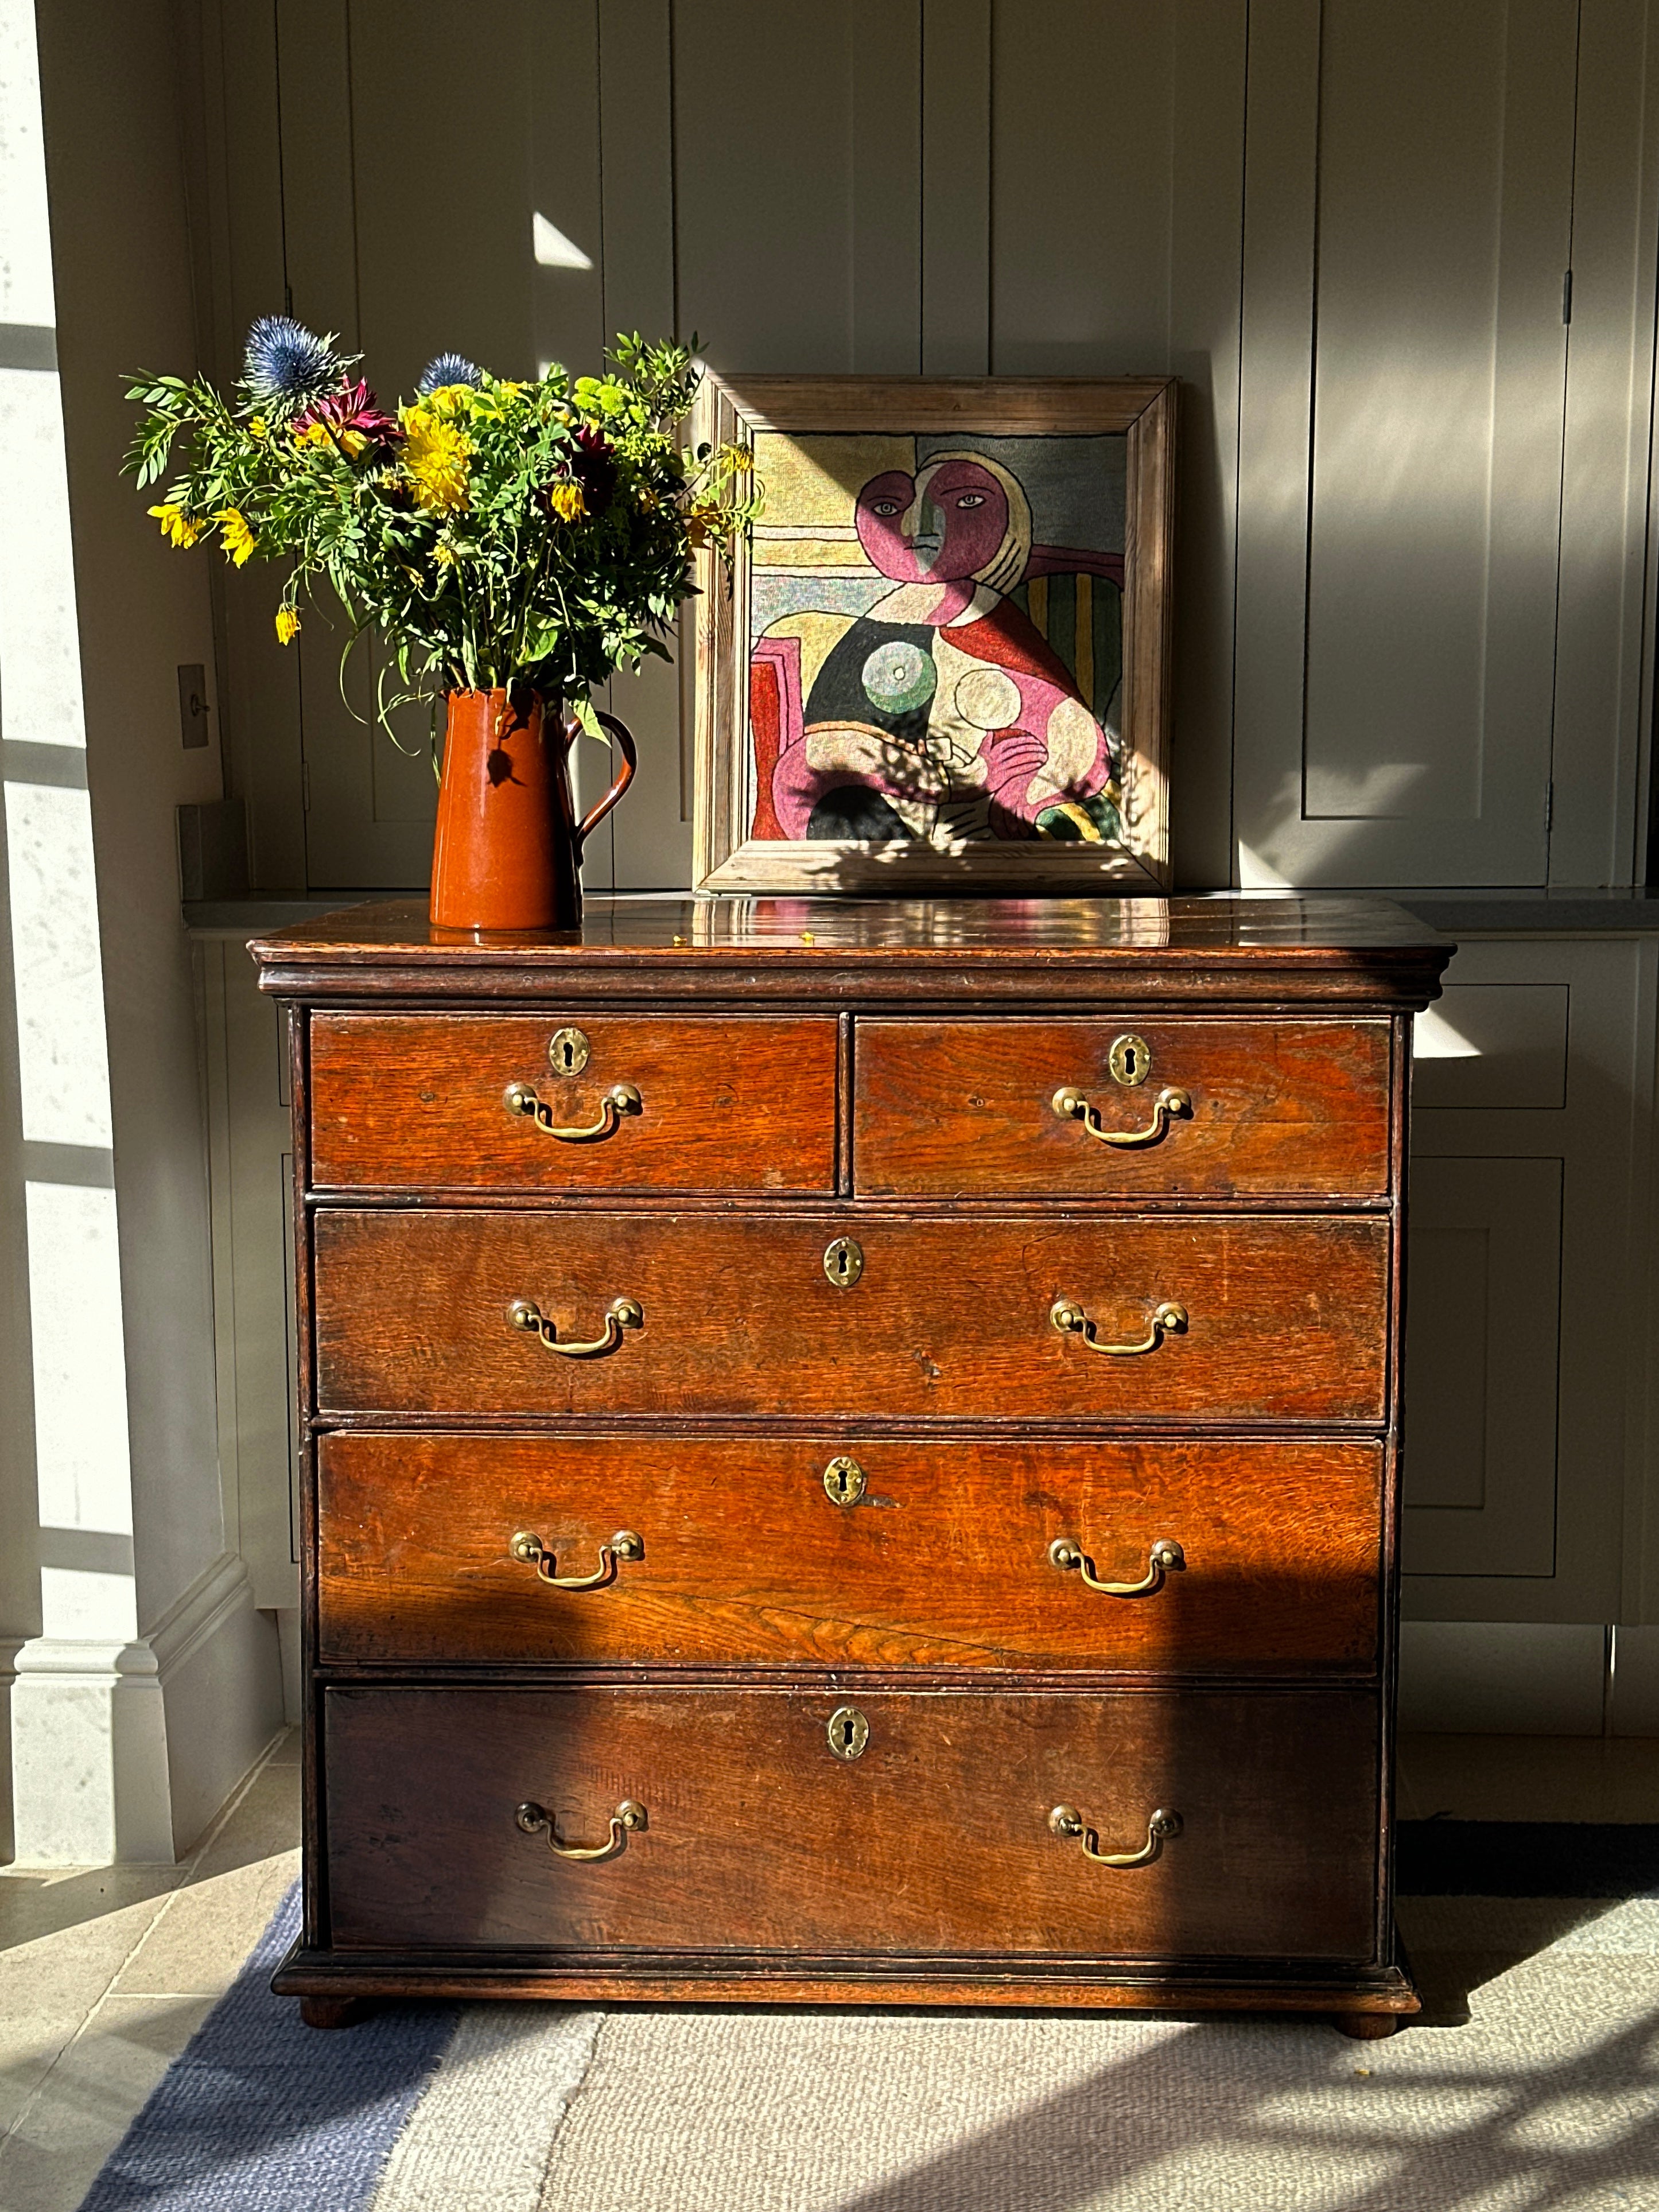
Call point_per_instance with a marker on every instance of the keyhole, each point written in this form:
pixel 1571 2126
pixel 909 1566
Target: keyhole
pixel 1129 1059
pixel 848 1732
pixel 843 1480
pixel 567 1052
pixel 843 1262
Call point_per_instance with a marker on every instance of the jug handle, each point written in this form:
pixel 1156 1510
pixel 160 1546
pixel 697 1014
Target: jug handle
pixel 595 814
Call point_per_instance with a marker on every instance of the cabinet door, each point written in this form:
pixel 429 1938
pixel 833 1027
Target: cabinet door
pixel 1409 227
pixel 1525 1363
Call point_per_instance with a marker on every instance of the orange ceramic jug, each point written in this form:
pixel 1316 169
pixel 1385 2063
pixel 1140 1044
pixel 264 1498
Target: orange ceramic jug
pixel 509 846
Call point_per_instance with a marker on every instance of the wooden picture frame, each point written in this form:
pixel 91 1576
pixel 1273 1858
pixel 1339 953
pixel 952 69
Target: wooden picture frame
pixel 987 821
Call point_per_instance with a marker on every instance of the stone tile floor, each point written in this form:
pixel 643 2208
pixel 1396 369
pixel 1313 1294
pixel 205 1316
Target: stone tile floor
pixel 105 1974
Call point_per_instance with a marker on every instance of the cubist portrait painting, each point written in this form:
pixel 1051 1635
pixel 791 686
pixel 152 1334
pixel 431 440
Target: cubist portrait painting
pixel 936 639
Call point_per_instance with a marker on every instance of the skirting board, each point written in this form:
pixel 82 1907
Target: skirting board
pixel 125 1752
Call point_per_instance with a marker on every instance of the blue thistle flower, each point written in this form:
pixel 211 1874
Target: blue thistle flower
pixel 447 368
pixel 287 366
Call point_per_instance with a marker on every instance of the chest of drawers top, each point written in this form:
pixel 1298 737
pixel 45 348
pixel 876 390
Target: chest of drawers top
pixel 1314 953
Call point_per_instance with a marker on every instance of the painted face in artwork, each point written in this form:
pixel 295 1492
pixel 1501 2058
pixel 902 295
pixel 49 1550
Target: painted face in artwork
pixel 946 523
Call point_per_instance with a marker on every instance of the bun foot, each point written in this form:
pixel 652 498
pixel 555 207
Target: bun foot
pixel 1366 2027
pixel 333 2012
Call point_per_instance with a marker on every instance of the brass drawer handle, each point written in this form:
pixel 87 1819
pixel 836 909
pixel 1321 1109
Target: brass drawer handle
pixel 1072 1105
pixel 1163 1558
pixel 1069 1318
pixel 623 1313
pixel 621 1099
pixel 1066 1821
pixel 627 1817
pixel 624 1545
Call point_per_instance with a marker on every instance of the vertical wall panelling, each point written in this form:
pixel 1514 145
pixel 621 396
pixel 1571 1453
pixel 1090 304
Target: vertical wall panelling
pixel 1276 405
pixel 1526 1327
pixel 1206 221
pixel 955 127
pixel 766 211
pixel 1405 250
pixel 1117 160
pixel 564 125
pixel 345 822
pixel 649 836
pixel 884 240
pixel 1606 602
pixel 258 683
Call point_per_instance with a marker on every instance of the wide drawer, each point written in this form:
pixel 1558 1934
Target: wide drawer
pixel 1196 1106
pixel 473 1103
pixel 942 1554
pixel 757 1837
pixel 970 1318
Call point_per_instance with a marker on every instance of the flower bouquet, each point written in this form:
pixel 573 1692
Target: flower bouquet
pixel 515 543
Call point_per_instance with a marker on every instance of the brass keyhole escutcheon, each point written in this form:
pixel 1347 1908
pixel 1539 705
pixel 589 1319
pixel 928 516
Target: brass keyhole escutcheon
pixel 1130 1060
pixel 848 1732
pixel 567 1052
pixel 843 1262
pixel 843 1480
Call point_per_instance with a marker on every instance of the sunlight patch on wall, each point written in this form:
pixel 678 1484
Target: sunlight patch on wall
pixel 553 250
pixel 1433 1037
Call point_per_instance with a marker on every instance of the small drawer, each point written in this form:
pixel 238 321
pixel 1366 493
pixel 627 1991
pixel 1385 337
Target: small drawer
pixel 848 1552
pixel 1130 1108
pixel 605 1103
pixel 733 1819
pixel 852 1317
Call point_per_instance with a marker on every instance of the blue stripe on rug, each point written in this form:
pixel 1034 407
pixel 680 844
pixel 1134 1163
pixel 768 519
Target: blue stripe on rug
pixel 261 2114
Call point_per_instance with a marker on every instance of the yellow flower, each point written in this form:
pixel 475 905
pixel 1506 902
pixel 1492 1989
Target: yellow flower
pixel 445 556
pixel 318 434
pixel 234 535
pixel 434 455
pixel 288 625
pixel 738 460
pixel 177 527
pixel 257 426
pixel 566 502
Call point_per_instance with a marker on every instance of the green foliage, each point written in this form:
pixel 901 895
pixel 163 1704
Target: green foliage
pixel 538 532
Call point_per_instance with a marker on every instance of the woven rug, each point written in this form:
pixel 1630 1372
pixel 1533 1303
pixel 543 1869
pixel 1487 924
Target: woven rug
pixel 1533 2083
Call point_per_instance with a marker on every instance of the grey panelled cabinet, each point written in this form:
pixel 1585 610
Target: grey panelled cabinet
pixel 1443 607
pixel 1528 1299
pixel 243 1042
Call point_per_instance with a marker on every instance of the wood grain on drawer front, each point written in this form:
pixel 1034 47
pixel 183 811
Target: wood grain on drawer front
pixel 943 1560
pixel 1275 1106
pixel 414 1101
pixel 1287 1318
pixel 935 1840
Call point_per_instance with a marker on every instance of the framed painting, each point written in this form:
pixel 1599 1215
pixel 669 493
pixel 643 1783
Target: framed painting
pixel 942 661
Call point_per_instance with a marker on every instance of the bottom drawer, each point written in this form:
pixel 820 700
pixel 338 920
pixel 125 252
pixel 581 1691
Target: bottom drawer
pixel 935 1836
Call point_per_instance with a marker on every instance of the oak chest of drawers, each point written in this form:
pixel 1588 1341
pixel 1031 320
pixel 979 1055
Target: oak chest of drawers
pixel 851 1452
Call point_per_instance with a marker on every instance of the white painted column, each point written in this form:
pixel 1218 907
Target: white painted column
pixel 86 1704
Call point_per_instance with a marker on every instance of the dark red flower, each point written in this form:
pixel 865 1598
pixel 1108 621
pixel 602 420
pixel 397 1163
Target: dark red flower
pixel 593 465
pixel 352 418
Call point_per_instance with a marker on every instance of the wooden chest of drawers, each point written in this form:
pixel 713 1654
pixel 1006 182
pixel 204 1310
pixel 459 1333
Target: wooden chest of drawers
pixel 851 1452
